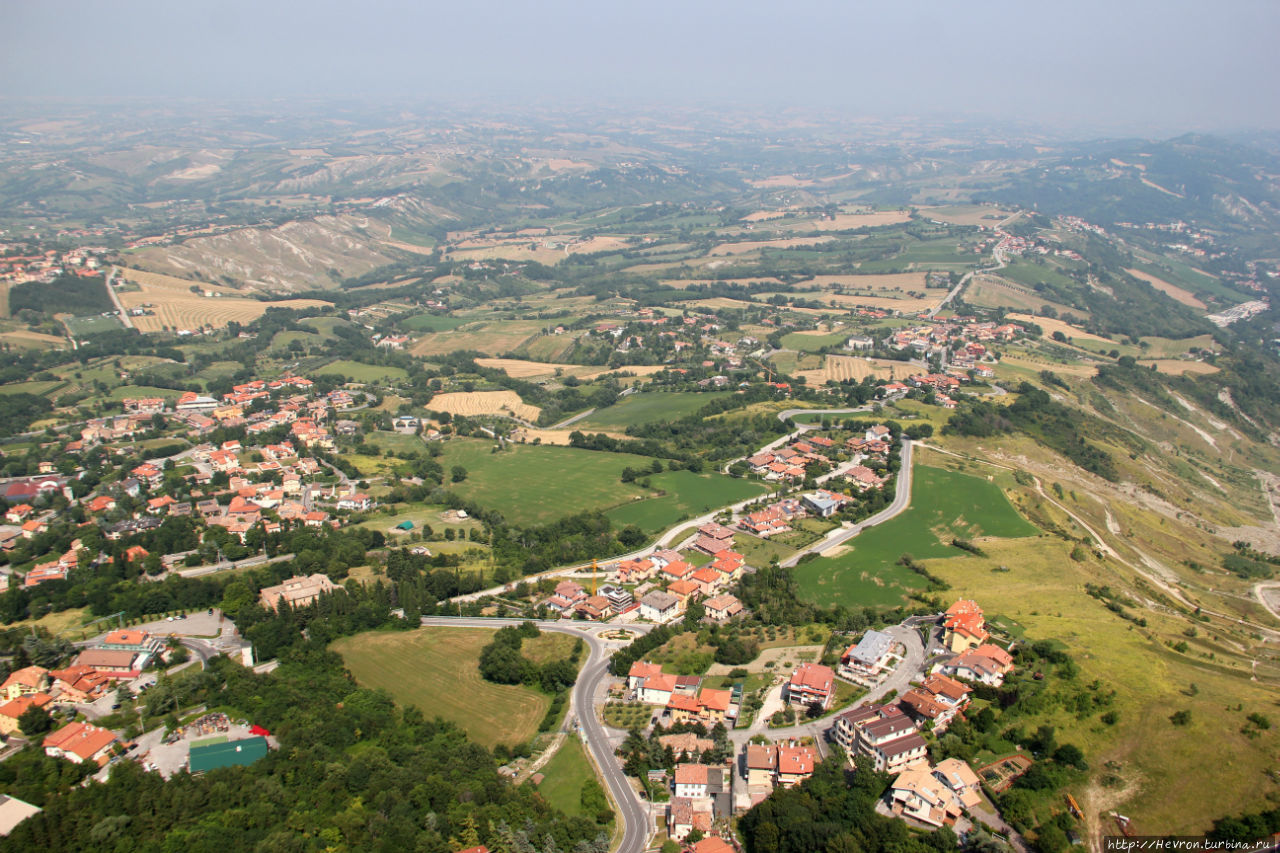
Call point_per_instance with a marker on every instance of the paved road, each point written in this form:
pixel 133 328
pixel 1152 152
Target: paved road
pixel 572 420
pixel 999 265
pixel 115 300
pixel 901 500
pixel 630 810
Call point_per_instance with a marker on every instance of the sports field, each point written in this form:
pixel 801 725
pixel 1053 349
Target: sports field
pixel 435 669
pixel 688 495
pixel 645 408
pixel 944 504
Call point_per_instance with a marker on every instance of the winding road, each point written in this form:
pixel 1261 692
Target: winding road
pixel 629 808
pixel 901 500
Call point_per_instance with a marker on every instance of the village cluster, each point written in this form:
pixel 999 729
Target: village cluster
pixel 885 735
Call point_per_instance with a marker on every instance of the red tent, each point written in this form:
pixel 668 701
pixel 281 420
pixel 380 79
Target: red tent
pixel 258 730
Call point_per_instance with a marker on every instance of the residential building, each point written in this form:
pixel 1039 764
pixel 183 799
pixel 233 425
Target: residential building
pixel 691 780
pixel 297 591
pixel 685 815
pixel 80 742
pixel 11 711
pixel 659 607
pixel 13 812
pixel 762 764
pixel 795 763
pixel 78 684
pixel 114 663
pixel 657 689
pixel 812 682
pixel 960 778
pixel 722 608
pixel 24 682
pixel 987 664
pixel 963 626
pixel 882 735
pixel 868 658
pixel 640 670
pixel 916 793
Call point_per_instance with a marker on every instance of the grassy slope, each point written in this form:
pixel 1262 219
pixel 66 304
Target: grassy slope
pixel 436 670
pixel 944 504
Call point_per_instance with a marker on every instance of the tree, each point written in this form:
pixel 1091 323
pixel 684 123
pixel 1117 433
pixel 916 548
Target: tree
pixel 458 473
pixel 35 721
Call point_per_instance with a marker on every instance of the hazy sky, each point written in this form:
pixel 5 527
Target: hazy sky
pixel 1150 66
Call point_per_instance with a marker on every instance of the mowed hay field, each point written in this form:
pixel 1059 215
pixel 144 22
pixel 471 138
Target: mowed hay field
pixel 472 403
pixel 436 670
pixel 176 307
pixel 842 367
pixel 518 368
pixel 1174 292
pixel 489 338
pixel 871 281
pixel 966 214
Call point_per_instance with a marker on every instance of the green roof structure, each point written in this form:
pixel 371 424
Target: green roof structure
pixel 232 753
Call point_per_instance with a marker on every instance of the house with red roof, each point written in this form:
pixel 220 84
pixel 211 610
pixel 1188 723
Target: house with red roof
pixel 812 682
pixel 81 742
pixel 12 710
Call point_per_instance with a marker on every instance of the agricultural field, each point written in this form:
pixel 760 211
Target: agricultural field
pixel 687 495
pixel 435 670
pixel 944 504
pixel 647 407
pixel 967 214
pixel 748 246
pixel 813 341
pixel 1174 292
pixel 1050 325
pixel 991 291
pixel 490 338
pixel 842 367
pixel 1176 366
pixel 175 306
pixel 474 403
pixel 433 323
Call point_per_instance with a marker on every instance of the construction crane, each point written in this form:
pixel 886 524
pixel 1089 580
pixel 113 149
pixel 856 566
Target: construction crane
pixel 766 368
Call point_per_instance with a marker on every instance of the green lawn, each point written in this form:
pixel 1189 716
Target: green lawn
pixel 358 372
pixel 944 505
pixel 435 669
pixel 688 495
pixel 537 484
pixel 38 388
pixel 564 775
pixel 645 408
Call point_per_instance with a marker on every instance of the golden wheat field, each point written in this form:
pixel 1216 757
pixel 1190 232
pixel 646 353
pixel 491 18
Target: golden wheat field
pixel 842 367
pixel 175 306
pixel 1174 292
pixel 1051 325
pixel 470 403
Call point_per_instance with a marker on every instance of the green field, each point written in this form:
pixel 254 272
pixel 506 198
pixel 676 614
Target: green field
pixel 688 495
pixel 358 372
pixel 813 343
pixel 94 324
pixel 645 408
pixel 435 669
pixel 944 504
pixel 538 484
pixel 565 775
